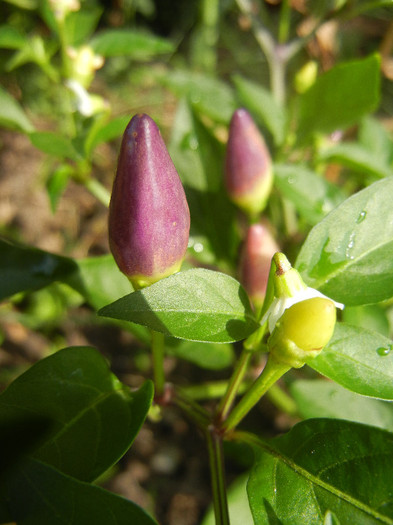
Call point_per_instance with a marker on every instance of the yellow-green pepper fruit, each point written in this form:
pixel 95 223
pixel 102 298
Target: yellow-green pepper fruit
pixel 302 331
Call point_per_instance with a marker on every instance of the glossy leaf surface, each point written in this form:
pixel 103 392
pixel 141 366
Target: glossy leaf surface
pixel 40 494
pixel 321 398
pixel 197 305
pixel 358 359
pixel 312 195
pixel 335 101
pixel 94 417
pixel 23 268
pixel 348 255
pixel 324 465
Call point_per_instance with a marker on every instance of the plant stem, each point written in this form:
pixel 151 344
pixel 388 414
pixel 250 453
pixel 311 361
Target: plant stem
pixel 211 389
pixel 270 374
pixel 234 384
pixel 284 24
pixel 98 190
pixel 157 347
pixel 217 471
pixel 193 410
pixel 282 400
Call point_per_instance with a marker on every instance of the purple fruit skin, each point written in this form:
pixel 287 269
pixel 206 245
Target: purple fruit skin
pixel 248 163
pixel 149 219
pixel 258 250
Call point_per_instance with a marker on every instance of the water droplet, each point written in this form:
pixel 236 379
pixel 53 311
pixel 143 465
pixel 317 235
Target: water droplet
pixel 190 141
pixel 291 180
pixel 384 350
pixel 350 246
pixel 198 247
pixel 361 216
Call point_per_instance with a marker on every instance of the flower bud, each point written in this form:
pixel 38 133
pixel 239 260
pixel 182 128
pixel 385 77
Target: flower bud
pixel 302 331
pixel 83 63
pixel 248 168
pixel 258 250
pixel 149 219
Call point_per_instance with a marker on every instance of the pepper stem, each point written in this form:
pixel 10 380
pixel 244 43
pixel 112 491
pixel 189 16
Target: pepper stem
pixel 270 374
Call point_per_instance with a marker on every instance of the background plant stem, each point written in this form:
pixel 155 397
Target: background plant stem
pixel 217 471
pixel 157 347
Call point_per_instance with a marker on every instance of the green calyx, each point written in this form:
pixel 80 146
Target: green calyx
pixel 287 280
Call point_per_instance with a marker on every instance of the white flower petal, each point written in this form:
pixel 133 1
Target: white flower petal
pixel 280 304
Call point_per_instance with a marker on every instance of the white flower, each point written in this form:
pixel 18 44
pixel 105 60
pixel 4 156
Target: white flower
pixel 280 304
pixel 86 104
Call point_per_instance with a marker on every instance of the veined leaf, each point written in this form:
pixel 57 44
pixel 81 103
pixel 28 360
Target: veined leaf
pixel 324 465
pixel 358 359
pixel 197 305
pixel 348 255
pixel 94 417
pixel 38 494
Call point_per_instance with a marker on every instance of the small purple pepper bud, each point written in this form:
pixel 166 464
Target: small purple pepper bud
pixel 149 219
pixel 258 250
pixel 248 169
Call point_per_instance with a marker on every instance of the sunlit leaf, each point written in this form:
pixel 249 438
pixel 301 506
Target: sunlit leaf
pixel 197 305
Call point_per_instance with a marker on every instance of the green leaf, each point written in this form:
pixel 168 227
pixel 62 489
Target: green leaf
pixel 39 494
pixel 126 42
pixel 105 131
pixel 79 25
pixel 24 268
pixel 13 443
pixel 208 95
pixel 12 115
pixel 324 465
pixel 260 102
pixel 197 305
pixel 211 356
pixel 321 398
pixel 312 195
pixel 54 144
pixel 340 97
pixel 94 417
pixel 359 360
pixel 348 256
pixel 57 183
pixel 370 316
pixel 99 280
pixel 11 38
pixel 357 158
pixel 199 157
pixel 376 139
